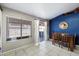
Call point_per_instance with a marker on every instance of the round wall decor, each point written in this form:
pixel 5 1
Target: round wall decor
pixel 63 25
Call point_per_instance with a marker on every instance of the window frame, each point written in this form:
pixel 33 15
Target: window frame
pixel 21 23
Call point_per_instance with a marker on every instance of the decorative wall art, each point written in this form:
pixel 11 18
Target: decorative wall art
pixel 63 25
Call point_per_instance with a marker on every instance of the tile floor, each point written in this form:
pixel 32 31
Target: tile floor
pixel 44 49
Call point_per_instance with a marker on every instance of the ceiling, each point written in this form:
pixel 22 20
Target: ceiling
pixel 42 10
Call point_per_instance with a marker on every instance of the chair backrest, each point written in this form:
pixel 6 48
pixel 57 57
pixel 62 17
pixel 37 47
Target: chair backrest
pixel 56 36
pixel 64 38
pixel 67 38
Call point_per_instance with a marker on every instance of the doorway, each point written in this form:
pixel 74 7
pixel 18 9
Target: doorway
pixel 42 30
pixel 41 36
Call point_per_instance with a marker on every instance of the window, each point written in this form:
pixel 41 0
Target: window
pixel 18 29
pixel 14 30
pixel 26 28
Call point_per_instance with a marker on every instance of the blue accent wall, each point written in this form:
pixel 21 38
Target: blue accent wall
pixel 73 25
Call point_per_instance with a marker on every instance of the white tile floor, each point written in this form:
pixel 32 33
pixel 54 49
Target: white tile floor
pixel 44 49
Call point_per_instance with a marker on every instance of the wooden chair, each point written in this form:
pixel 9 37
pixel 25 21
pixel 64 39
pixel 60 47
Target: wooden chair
pixel 65 40
pixel 69 41
pixel 56 38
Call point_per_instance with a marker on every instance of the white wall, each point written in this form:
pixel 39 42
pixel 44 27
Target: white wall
pixel 9 45
pixel 45 31
pixel 36 25
pixel 0 30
